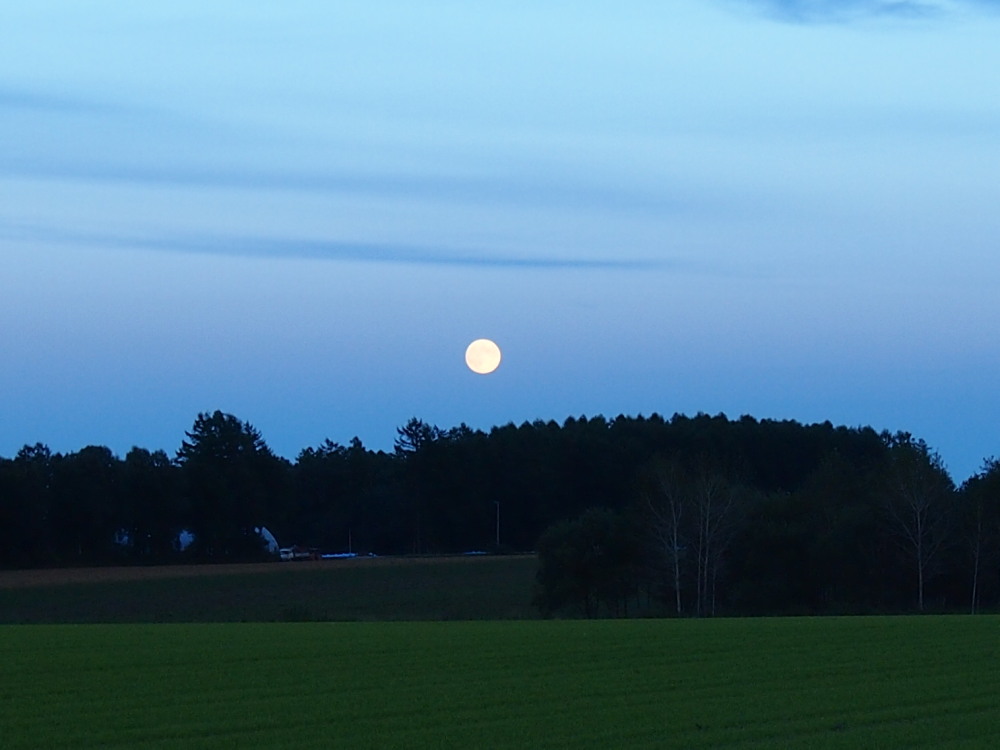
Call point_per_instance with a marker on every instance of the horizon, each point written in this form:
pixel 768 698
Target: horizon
pixel 293 457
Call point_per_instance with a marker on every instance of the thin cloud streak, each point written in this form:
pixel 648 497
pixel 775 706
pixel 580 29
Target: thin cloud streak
pixel 472 189
pixel 146 135
pixel 839 11
pixel 40 101
pixel 332 250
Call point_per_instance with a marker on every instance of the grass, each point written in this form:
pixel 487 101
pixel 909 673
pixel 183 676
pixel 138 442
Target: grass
pixel 743 683
pixel 405 589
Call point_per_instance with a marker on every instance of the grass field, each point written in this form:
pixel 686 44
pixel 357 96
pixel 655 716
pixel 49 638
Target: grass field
pixel 448 588
pixel 750 683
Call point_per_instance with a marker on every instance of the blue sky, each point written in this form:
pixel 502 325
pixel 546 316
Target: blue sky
pixel 301 213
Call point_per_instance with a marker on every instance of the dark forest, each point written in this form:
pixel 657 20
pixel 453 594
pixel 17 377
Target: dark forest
pixel 687 516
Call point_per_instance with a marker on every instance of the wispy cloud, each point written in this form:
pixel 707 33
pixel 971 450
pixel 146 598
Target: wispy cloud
pixel 535 189
pixel 13 98
pixel 124 142
pixel 835 11
pixel 330 250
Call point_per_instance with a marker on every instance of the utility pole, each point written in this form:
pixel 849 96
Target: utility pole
pixel 497 503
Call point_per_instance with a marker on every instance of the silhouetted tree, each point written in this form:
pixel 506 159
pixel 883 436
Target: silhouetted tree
pixel 154 507
pixel 232 481
pixel 342 500
pixel 414 435
pixel 87 504
pixel 421 476
pixel 26 508
pixel 586 562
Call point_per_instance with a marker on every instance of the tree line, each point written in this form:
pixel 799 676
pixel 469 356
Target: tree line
pixel 688 516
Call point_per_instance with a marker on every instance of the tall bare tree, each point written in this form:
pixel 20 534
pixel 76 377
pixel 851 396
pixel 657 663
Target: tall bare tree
pixel 980 496
pixel 694 508
pixel 665 498
pixel 917 503
pixel 716 504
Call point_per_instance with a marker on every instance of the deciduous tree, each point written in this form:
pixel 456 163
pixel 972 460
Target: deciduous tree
pixel 980 526
pixel 918 498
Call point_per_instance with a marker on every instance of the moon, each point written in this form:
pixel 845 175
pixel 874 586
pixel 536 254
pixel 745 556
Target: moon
pixel 482 356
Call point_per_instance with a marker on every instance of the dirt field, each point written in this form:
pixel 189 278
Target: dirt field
pixel 484 587
pixel 15 579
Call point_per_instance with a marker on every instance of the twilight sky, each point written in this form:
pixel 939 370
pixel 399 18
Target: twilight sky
pixel 302 212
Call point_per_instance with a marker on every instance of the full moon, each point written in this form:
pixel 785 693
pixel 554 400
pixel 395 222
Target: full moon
pixel 482 356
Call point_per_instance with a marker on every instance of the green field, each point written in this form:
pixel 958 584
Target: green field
pixel 751 683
